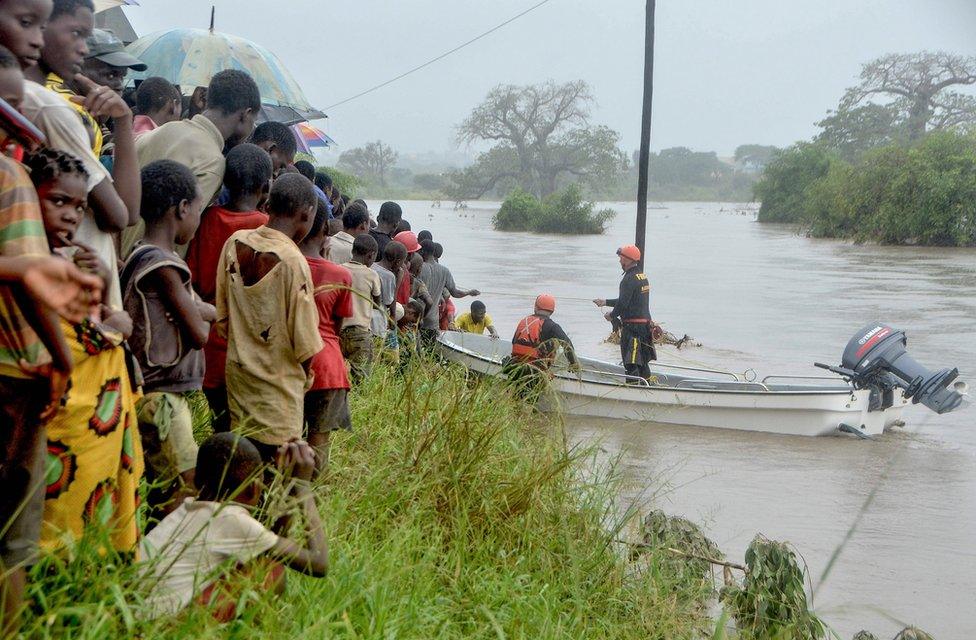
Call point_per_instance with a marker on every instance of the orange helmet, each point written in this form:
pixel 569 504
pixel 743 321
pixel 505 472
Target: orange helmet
pixel 630 251
pixel 545 302
pixel 409 240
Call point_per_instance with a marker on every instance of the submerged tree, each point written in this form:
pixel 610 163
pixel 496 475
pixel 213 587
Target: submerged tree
pixel 541 134
pixel 373 161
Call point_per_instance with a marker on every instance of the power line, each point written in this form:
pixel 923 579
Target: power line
pixel 440 57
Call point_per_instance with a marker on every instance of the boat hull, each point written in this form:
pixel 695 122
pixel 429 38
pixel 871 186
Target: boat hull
pixel 806 414
pixel 793 409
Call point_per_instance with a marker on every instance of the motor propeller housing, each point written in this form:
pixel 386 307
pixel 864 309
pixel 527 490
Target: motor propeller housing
pixel 878 351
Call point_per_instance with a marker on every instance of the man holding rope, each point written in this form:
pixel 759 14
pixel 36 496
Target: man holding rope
pixel 631 309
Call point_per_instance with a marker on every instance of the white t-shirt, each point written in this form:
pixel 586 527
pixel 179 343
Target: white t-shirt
pixel 192 546
pixel 340 248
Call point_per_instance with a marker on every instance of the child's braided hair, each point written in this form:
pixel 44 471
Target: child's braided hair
pixel 49 164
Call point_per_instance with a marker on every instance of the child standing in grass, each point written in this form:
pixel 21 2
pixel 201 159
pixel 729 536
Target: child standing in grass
pixel 35 359
pixel 387 268
pixel 326 403
pixel 171 325
pixel 207 548
pixel 248 182
pixel 94 454
pixel 267 313
pixel 357 341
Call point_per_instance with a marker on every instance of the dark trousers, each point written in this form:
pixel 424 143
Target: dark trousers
pixel 23 458
pixel 529 379
pixel 217 399
pixel 637 348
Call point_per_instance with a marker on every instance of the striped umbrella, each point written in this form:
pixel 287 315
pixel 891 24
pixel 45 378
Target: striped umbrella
pixel 190 57
pixel 310 137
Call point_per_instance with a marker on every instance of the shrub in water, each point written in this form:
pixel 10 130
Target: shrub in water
pixel 669 534
pixel 772 601
pixel 562 212
pixel 521 211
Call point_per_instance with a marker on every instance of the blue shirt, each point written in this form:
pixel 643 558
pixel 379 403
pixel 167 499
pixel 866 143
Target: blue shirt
pixel 321 195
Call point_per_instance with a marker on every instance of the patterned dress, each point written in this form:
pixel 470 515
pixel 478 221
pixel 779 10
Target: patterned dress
pixel 94 453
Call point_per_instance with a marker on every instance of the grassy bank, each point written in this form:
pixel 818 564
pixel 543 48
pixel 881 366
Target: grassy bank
pixel 452 511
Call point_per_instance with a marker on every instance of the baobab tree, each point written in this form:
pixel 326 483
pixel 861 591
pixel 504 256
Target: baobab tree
pixel 540 133
pixel 919 88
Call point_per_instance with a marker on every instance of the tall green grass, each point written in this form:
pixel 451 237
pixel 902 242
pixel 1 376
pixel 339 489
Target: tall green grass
pixel 452 511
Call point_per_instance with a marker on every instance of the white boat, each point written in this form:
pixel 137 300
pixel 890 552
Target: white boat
pixel 794 405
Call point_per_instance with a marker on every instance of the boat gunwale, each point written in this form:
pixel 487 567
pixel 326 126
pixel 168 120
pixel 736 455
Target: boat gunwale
pixel 558 375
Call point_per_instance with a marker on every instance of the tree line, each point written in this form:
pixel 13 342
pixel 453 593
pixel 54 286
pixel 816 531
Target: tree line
pixel 540 139
pixel 894 163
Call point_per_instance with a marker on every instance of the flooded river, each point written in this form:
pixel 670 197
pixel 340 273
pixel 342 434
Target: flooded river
pixel 765 298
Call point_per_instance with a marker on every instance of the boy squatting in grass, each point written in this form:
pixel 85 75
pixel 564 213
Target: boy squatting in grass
pixel 326 402
pixel 171 325
pixel 248 183
pixel 267 312
pixel 201 550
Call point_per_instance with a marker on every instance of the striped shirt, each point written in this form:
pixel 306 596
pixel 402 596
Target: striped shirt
pixel 21 234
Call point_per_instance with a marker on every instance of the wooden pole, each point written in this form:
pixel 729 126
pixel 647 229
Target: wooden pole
pixel 645 145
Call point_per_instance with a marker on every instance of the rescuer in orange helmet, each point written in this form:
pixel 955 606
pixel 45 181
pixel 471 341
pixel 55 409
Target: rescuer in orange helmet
pixel 537 337
pixel 631 309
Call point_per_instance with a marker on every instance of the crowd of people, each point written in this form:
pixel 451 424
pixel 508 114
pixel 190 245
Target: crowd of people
pixel 156 248
pixel 153 248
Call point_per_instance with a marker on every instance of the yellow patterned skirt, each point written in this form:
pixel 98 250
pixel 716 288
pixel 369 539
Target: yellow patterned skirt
pixel 94 454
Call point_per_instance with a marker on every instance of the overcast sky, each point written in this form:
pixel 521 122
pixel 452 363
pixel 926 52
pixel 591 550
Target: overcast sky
pixel 726 72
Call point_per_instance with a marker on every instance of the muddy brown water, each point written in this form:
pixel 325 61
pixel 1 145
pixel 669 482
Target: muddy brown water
pixel 765 298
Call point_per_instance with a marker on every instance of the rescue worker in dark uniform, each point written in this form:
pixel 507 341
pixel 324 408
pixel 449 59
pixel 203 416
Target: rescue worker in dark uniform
pixel 631 309
pixel 534 346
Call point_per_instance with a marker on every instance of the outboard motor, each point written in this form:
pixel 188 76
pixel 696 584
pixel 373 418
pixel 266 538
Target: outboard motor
pixel 876 359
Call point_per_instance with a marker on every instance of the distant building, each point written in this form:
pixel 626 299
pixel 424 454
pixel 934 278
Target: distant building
pixel 748 164
pixel 751 164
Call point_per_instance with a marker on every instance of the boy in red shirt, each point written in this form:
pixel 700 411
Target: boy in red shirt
pixel 326 402
pixel 248 179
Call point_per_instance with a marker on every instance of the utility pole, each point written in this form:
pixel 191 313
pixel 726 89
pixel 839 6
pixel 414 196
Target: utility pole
pixel 645 145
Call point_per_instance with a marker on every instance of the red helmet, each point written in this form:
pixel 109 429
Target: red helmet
pixel 545 302
pixel 409 240
pixel 630 252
